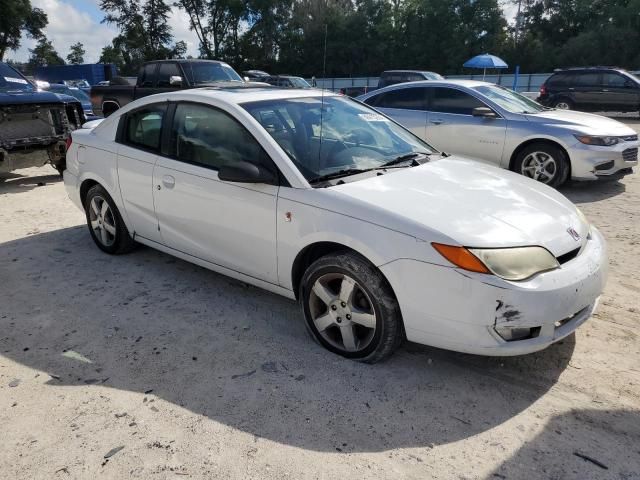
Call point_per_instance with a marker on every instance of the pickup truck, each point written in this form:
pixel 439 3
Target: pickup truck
pixel 35 126
pixel 161 76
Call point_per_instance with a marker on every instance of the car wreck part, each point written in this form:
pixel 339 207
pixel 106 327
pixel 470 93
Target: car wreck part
pixel 33 135
pixel 514 264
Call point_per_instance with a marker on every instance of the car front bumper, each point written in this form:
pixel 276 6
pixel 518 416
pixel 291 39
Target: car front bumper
pixel 450 308
pixel 590 162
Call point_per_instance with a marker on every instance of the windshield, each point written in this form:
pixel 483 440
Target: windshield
pixel 509 100
pixel 12 81
pixel 74 92
pixel 343 135
pixel 207 72
pixel 299 82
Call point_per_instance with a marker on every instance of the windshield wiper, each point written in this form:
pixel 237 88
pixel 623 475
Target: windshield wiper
pixel 404 158
pixel 340 173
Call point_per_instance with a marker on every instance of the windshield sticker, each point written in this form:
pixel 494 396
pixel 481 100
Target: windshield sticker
pixel 16 80
pixel 372 117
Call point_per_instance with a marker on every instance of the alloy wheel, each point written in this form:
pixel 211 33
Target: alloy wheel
pixel 342 312
pixel 102 221
pixel 540 166
pixel 563 106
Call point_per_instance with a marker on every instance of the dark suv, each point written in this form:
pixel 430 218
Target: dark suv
pixel 593 89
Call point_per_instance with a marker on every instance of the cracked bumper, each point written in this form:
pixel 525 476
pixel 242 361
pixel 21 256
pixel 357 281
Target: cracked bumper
pixel 457 310
pixel 590 162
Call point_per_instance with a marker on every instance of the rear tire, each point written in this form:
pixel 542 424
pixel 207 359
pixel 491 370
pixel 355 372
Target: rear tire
pixel 563 104
pixel 350 309
pixel 544 163
pixel 105 223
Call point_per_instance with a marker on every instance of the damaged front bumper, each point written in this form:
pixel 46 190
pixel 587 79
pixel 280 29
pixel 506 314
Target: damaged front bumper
pixel 469 312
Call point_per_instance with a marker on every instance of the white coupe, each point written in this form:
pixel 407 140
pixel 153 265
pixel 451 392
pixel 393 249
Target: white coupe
pixel 320 198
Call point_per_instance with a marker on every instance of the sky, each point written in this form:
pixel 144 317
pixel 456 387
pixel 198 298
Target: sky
pixel 72 21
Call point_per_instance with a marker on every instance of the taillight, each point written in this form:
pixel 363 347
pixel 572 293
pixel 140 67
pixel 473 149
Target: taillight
pixel 69 141
pixel 543 89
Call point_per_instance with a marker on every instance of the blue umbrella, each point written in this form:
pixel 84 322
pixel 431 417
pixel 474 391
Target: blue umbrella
pixel 485 61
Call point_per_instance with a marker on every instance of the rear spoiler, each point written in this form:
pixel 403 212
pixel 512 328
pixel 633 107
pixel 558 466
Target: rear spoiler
pixel 92 124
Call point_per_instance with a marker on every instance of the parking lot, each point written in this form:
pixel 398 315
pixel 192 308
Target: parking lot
pixel 196 375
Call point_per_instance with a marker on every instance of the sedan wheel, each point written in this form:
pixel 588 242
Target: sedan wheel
pixel 540 166
pixel 563 105
pixel 105 223
pixel 342 312
pixel 350 308
pixel 102 221
pixel 543 162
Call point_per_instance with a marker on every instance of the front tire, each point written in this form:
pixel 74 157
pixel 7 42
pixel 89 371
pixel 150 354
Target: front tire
pixel 105 223
pixel 350 309
pixel 544 163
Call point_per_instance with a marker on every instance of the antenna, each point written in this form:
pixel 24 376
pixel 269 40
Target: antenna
pixel 324 73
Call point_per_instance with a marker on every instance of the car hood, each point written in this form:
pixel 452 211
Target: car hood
pixel 35 97
pixel 588 123
pixel 470 203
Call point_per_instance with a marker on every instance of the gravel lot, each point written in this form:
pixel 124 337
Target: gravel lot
pixel 196 375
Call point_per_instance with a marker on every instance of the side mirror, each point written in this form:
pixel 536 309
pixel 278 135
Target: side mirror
pixel 247 79
pixel 485 112
pixel 630 84
pixel 175 80
pixel 245 172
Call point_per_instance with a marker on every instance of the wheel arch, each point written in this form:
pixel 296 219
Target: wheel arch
pixel 531 141
pixel 314 251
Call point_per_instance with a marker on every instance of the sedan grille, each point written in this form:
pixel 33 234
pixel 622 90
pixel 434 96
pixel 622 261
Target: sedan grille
pixel 630 155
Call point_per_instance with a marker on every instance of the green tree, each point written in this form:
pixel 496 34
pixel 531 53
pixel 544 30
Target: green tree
pixel 17 17
pixel 76 54
pixel 43 54
pixel 145 33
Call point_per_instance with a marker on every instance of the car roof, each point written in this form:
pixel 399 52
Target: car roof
pixel 250 93
pixel 408 71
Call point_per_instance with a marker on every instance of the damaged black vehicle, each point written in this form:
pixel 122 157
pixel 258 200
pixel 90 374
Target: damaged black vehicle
pixel 34 126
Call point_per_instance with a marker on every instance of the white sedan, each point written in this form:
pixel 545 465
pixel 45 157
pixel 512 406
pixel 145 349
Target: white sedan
pixel 319 198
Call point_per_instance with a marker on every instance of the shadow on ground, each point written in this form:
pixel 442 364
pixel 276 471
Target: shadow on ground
pixel 582 444
pixel 16 183
pixel 239 355
pixel 591 192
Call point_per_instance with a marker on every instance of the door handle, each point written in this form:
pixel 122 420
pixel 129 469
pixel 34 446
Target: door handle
pixel 168 181
pixel 605 90
pixel 437 121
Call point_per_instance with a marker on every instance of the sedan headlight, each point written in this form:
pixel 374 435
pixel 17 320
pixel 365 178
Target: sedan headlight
pixel 519 263
pixel 600 141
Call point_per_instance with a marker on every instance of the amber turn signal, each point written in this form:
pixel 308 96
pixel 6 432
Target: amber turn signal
pixel 461 257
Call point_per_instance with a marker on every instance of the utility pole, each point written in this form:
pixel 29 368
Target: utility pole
pixel 518 19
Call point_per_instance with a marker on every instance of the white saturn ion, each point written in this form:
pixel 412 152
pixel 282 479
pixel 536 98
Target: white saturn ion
pixel 320 198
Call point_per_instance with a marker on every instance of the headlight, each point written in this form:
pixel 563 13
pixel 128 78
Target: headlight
pixel 601 141
pixel 519 263
pixel 516 263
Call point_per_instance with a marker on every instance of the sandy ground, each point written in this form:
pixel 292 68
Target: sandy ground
pixel 197 376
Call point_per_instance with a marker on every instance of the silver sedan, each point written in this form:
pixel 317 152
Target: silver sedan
pixel 493 124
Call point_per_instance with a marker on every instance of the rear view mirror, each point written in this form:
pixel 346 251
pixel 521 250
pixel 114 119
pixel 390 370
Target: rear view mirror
pixel 485 112
pixel 175 80
pixel 246 172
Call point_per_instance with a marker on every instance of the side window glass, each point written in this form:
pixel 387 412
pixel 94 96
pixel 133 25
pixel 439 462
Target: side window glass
pixel 450 100
pixel 613 80
pixel 143 127
pixel 211 138
pixel 147 76
pixel 404 98
pixel 165 72
pixel 587 80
